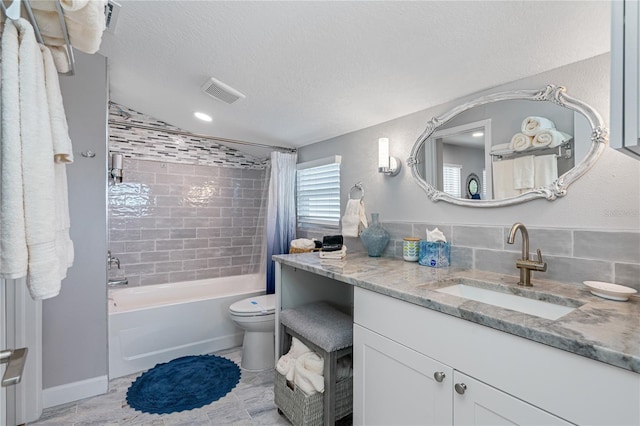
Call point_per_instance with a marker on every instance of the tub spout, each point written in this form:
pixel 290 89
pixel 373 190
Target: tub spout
pixel 113 282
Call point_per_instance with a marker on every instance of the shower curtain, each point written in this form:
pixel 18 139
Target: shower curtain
pixel 281 210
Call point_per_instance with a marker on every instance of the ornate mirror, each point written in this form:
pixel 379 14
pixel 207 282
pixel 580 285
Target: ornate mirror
pixel 507 148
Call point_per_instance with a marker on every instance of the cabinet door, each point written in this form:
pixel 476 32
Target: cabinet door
pixel 481 404
pixel 395 385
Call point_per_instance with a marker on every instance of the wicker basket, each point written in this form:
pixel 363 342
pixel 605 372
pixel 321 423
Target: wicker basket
pixel 307 410
pixel 293 250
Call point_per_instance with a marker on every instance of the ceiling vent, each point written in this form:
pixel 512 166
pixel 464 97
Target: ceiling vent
pixel 111 11
pixel 220 91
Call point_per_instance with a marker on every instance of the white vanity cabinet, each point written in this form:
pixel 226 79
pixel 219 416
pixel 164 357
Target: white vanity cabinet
pixel 400 347
pixel 625 76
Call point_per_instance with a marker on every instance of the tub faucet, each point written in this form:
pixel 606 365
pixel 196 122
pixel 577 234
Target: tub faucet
pixel 525 264
pixel 112 259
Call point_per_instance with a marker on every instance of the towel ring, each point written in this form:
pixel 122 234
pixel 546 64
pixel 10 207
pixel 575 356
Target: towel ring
pixel 358 187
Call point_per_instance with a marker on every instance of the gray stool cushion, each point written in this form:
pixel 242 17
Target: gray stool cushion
pixel 321 324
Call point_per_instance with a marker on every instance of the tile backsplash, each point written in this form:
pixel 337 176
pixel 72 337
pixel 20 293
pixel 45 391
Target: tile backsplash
pixel 572 255
pixel 187 211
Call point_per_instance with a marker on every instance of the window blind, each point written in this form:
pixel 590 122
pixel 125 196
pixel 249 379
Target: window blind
pixel 451 179
pixel 318 193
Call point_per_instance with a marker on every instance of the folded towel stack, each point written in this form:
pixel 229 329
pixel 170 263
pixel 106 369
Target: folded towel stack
pixel 354 219
pixel 302 367
pixel 337 254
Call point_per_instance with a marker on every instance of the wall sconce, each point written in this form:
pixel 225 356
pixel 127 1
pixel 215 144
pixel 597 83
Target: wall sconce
pixel 115 171
pixel 387 164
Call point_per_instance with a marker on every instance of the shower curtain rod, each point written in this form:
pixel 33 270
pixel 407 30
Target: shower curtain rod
pixel 200 136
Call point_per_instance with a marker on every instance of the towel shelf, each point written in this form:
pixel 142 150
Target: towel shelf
pixel 36 29
pixel 564 150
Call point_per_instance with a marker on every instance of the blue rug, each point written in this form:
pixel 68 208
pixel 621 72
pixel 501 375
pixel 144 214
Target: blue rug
pixel 183 384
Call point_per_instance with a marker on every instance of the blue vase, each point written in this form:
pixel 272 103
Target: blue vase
pixel 375 237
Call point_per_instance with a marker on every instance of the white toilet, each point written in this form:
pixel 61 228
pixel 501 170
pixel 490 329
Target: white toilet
pixel 256 316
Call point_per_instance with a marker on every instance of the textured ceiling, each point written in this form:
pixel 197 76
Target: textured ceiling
pixel 315 70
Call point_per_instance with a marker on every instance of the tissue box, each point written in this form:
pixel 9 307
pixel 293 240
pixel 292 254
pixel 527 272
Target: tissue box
pixel 435 255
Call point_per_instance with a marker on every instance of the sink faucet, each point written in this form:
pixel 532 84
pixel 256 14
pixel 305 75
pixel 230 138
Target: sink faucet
pixel 112 259
pixel 525 264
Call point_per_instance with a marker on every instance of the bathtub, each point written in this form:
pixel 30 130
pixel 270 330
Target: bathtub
pixel 157 323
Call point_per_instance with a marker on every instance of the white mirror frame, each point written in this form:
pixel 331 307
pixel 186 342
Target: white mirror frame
pixel 551 93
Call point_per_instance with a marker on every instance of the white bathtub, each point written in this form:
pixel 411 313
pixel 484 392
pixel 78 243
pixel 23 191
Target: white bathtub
pixel 153 324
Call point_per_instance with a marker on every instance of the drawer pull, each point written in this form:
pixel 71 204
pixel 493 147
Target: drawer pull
pixel 439 376
pixel 460 388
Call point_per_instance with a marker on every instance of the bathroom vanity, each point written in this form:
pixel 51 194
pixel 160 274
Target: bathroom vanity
pixel 424 355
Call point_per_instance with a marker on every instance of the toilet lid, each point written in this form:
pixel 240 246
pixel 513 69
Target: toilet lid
pixel 259 305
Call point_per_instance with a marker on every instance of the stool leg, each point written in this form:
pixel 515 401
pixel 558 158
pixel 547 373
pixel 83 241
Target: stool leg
pixel 330 369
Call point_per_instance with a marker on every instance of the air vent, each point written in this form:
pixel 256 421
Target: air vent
pixel 220 91
pixel 111 11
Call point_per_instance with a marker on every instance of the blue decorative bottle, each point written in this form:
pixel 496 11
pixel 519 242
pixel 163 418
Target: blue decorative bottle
pixel 375 237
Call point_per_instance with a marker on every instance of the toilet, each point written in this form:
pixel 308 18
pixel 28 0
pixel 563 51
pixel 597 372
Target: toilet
pixel 256 316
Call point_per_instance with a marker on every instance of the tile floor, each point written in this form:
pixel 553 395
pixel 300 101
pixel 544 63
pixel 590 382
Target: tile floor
pixel 249 403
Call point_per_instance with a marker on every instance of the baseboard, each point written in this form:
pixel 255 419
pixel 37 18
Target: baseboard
pixel 75 391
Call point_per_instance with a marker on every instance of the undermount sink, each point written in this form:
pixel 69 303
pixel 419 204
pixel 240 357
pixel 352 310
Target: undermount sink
pixel 522 304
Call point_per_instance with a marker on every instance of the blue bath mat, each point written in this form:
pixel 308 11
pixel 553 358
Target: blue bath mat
pixel 183 384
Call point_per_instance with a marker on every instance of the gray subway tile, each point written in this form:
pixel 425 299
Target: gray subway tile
pixel 169 266
pixel 575 270
pixel 152 166
pixel 207 273
pixel 462 257
pixel 230 271
pixel 196 222
pixel 169 245
pixel 183 233
pixel 140 269
pixel 152 279
pixel 397 230
pixel 495 261
pixel 116 247
pixel 207 212
pixel 419 230
pixel 155 234
pixel 222 222
pixel 240 260
pixel 549 241
pixel 124 235
pixel 490 237
pixel 174 222
pixel 627 274
pixel 207 232
pixel 206 171
pixel 194 265
pixel 180 169
pixel 168 201
pixel 136 176
pixel 155 256
pixel 139 246
pixel 196 243
pixel 253 173
pixel 616 246
pixel 175 277
pixel 219 262
pixel 183 254
pixel 169 179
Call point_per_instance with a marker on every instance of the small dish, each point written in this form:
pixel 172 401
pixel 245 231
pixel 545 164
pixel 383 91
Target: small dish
pixel 610 291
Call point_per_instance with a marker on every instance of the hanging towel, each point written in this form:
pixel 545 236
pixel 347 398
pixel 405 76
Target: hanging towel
pixel 550 138
pixel 532 125
pixel 520 142
pixel 62 155
pixel 503 180
pixel 13 241
pixel 60 58
pixel 309 373
pixel 354 218
pixel 523 172
pixel 37 169
pixel 546 169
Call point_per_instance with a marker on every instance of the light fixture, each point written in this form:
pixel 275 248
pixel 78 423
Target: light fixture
pixel 387 164
pixel 115 171
pixel 202 116
pixel 477 134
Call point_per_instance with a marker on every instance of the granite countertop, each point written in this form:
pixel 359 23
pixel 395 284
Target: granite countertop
pixel 600 329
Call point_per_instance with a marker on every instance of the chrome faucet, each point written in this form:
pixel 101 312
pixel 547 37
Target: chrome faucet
pixel 525 264
pixel 112 259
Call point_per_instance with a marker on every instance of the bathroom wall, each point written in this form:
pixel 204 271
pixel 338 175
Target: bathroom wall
pixel 592 232
pixel 186 209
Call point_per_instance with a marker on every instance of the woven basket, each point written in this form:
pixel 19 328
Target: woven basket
pixel 307 410
pixel 293 250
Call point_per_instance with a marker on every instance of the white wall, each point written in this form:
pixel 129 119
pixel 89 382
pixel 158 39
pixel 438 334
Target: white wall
pixel 607 197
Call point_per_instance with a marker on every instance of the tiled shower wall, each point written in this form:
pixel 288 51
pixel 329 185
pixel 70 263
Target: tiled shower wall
pixel 184 218
pixel 572 255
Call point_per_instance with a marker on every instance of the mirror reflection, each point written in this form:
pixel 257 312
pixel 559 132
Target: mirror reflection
pixel 506 146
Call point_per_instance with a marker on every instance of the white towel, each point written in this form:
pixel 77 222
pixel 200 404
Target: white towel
pixel 520 142
pixel 85 21
pixel 286 363
pixel 546 169
pixel 337 254
pixel 532 125
pixel 550 138
pixel 501 147
pixel 62 155
pixel 37 169
pixel 503 180
pixel 13 240
pixel 523 172
pixel 354 218
pixel 309 373
pixel 60 58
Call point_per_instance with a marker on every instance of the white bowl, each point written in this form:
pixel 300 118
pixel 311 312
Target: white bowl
pixel 610 291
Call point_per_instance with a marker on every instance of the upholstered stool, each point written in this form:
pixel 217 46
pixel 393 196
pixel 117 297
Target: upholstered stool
pixel 329 332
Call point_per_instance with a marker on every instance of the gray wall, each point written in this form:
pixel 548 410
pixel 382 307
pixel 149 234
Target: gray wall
pixel 75 322
pixel 607 197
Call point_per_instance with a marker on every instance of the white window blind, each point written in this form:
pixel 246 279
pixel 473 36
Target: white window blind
pixel 318 192
pixel 484 184
pixel 451 179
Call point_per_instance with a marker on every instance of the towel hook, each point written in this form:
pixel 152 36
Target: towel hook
pixel 358 187
pixel 13 11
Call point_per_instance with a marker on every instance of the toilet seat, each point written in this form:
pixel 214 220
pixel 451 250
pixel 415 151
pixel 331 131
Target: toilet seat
pixel 254 306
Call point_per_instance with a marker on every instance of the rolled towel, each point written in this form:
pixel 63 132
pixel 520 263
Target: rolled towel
pixel 532 125
pixel 549 138
pixel 286 363
pixel 309 373
pixel 520 142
